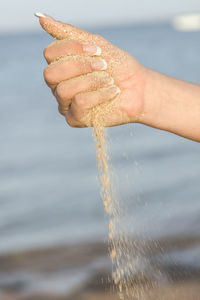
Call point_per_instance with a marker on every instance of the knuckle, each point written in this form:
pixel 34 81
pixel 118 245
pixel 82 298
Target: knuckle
pixel 73 119
pixel 60 91
pixel 70 120
pixel 48 51
pixel 61 110
pixel 47 54
pixel 48 76
pixel 75 112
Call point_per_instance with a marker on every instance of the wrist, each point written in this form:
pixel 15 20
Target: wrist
pixel 151 99
pixel 172 105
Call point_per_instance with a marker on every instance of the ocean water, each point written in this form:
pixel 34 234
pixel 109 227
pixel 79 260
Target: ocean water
pixel 49 190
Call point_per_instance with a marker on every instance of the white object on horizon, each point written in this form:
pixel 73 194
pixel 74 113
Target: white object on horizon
pixel 188 22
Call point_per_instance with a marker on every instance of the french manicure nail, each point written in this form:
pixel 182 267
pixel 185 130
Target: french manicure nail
pixel 99 65
pixel 38 14
pixel 92 50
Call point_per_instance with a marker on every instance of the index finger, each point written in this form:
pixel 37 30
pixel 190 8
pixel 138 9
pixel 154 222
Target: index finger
pixel 58 29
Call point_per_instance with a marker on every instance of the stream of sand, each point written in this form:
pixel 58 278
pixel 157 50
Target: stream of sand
pixel 120 247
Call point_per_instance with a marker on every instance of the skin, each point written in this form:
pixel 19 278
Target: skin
pixel 79 81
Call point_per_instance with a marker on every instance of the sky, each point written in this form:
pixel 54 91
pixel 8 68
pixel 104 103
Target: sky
pixel 18 15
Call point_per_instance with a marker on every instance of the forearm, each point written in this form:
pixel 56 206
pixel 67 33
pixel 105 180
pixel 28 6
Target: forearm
pixel 172 105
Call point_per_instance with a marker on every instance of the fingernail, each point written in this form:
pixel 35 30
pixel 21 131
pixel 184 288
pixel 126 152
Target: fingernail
pixel 115 90
pixel 38 14
pixel 92 50
pixel 100 65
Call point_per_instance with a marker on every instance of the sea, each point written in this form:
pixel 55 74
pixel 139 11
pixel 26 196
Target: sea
pixel 49 188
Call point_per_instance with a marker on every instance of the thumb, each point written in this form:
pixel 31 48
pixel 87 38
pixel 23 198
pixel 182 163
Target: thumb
pixel 58 29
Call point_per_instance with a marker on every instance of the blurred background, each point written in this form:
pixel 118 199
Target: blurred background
pixel 52 226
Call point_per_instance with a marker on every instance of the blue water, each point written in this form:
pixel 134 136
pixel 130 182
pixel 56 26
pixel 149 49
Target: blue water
pixel 49 190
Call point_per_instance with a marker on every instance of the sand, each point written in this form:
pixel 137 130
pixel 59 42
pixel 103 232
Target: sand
pixel 43 263
pixel 124 253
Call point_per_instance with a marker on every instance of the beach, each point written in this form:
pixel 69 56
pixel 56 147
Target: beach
pixel 55 273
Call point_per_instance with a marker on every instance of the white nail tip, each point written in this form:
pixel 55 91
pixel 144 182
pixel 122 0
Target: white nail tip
pixel 38 14
pixel 118 91
pixel 105 65
pixel 99 51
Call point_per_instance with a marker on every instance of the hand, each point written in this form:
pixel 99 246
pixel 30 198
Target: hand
pixel 86 71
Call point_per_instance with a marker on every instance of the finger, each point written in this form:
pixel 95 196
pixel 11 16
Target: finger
pixel 67 90
pixel 71 121
pixel 76 116
pixel 58 29
pixel 62 110
pixel 69 47
pixel 72 66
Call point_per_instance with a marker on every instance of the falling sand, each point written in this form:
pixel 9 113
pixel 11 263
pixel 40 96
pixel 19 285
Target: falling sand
pixel 122 250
